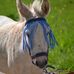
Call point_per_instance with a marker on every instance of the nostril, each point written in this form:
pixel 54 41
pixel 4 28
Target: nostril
pixel 45 62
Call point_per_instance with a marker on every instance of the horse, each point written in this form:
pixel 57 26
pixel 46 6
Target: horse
pixel 24 43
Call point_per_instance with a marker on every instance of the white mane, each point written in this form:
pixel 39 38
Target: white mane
pixel 5 20
pixel 10 36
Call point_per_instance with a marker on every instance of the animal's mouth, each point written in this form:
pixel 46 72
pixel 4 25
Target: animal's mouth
pixel 40 60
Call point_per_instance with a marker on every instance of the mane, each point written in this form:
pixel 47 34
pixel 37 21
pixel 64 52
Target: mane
pixel 6 20
pixel 10 38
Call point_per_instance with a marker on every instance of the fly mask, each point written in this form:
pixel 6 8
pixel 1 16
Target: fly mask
pixel 37 39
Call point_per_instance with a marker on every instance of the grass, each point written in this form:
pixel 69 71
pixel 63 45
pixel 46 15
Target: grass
pixel 61 20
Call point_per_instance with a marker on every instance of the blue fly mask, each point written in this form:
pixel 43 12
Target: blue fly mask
pixel 38 38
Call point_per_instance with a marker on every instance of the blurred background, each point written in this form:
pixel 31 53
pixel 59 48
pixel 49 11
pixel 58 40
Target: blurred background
pixel 61 20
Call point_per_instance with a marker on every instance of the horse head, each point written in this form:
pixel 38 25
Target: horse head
pixel 37 38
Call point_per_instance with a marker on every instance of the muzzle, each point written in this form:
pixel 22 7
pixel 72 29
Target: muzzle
pixel 40 59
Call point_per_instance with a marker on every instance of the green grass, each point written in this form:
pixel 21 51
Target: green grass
pixel 61 20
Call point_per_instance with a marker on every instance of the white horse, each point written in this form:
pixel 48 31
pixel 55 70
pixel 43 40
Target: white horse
pixel 13 58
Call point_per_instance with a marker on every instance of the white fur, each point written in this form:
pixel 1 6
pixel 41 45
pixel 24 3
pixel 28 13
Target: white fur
pixel 2 73
pixel 10 37
pixel 11 46
pixel 12 58
pixel 6 20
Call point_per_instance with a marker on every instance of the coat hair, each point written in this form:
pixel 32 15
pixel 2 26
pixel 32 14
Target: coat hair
pixel 11 31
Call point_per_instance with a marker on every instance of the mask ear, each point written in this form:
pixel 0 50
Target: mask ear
pixel 23 10
pixel 45 7
pixel 41 7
